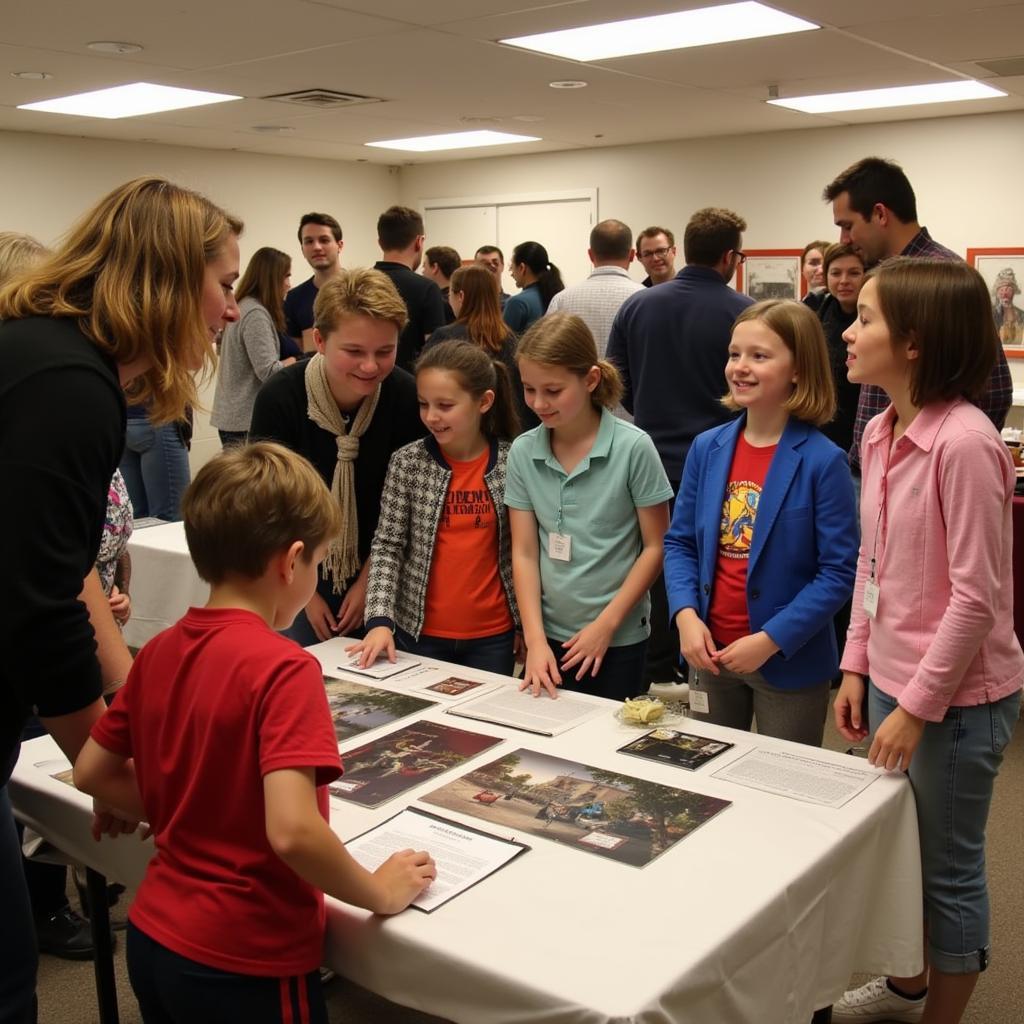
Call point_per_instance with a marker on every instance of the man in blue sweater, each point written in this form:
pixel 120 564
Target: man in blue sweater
pixel 671 344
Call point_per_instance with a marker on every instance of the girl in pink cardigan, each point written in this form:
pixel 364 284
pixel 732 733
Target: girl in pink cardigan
pixel 933 607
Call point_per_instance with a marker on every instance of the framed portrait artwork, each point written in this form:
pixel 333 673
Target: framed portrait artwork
pixel 771 274
pixel 1003 271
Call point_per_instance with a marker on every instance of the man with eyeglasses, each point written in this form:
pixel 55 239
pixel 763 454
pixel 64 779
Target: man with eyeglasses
pixel 671 344
pixel 656 250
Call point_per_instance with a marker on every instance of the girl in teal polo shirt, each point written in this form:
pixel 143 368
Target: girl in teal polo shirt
pixel 588 507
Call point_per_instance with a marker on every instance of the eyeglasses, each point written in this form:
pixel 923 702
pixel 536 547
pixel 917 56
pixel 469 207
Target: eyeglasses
pixel 658 253
pixel 741 257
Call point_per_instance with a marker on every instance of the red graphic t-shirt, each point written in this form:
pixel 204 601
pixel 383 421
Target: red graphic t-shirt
pixel 728 619
pixel 465 598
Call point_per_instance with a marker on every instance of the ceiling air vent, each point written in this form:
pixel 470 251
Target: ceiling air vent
pixel 322 99
pixel 1005 68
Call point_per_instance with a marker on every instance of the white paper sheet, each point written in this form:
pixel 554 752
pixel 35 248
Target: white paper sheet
pixel 381 668
pixel 463 855
pixel 521 710
pixel 810 779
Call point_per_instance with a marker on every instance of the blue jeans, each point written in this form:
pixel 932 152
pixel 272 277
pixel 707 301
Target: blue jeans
pixel 155 469
pixel 172 989
pixel 486 653
pixel 17 934
pixel 621 675
pixel 952 774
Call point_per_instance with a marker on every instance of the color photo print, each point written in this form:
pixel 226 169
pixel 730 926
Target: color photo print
pixel 616 816
pixel 357 708
pixel 390 765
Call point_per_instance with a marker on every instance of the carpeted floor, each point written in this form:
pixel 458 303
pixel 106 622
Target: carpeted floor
pixel 67 996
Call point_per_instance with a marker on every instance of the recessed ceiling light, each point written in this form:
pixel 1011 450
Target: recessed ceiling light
pixel 32 76
pixel 453 140
pixel 109 47
pixel 272 129
pixel 702 27
pixel 569 83
pixel 897 96
pixel 128 101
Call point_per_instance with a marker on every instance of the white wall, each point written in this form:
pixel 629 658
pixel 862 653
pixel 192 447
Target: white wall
pixel 50 180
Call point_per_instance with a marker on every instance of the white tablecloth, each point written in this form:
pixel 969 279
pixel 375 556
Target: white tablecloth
pixel 761 915
pixel 164 581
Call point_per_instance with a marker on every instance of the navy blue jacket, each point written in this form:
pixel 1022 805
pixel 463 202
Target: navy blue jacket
pixel 803 555
pixel 671 344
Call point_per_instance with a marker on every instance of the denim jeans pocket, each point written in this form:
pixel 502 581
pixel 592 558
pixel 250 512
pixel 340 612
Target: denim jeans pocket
pixel 1004 714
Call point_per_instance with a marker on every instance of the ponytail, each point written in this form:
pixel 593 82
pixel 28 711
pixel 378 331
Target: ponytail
pixel 549 278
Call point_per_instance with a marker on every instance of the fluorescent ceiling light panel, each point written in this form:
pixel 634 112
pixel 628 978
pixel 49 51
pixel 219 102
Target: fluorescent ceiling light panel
pixel 132 100
pixel 897 96
pixel 453 140
pixel 703 27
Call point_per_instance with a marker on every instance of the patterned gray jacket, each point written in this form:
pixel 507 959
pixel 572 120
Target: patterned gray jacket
pixel 403 545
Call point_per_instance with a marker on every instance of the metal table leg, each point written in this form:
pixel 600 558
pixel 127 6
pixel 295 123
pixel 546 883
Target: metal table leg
pixel 99 920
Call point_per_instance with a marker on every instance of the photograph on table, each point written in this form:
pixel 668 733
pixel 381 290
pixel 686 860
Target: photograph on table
pixel 453 686
pixel 390 765
pixel 1003 271
pixel 619 817
pixel 771 274
pixel 682 749
pixel 357 708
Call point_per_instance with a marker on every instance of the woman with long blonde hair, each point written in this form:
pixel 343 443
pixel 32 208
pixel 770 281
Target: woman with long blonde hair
pixel 131 300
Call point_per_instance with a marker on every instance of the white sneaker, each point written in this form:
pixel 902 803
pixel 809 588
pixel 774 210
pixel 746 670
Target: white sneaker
pixel 875 1001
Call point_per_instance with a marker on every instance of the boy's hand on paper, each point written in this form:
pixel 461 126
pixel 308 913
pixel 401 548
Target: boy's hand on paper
pixel 695 642
pixel 320 618
pixel 747 654
pixel 403 876
pixel 541 671
pixel 587 649
pixel 848 708
pixel 380 640
pixel 895 741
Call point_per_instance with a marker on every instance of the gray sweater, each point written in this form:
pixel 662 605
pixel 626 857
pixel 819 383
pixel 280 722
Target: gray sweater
pixel 249 354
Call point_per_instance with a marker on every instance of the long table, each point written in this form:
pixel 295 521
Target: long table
pixel 760 915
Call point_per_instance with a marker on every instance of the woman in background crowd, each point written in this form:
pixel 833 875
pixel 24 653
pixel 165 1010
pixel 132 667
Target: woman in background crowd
pixel 539 280
pixel 250 349
pixel 813 270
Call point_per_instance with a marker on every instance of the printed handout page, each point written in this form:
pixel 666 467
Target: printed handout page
pixel 521 710
pixel 381 668
pixel 463 855
pixel 809 779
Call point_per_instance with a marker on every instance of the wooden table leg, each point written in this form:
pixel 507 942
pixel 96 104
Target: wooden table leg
pixel 103 943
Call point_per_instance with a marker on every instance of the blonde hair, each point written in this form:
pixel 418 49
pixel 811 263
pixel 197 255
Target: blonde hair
pixel 358 292
pixel 18 253
pixel 814 395
pixel 251 502
pixel 561 339
pixel 132 273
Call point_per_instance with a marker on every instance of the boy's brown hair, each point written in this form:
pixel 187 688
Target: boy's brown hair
pixel 359 292
pixel 814 394
pixel 250 503
pixel 945 310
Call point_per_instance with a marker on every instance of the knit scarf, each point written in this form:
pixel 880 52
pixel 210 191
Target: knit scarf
pixel 342 561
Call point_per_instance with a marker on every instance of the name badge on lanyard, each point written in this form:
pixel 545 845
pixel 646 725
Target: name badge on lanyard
pixel 559 547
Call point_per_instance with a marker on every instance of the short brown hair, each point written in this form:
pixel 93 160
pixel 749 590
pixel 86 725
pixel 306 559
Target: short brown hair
pixel 398 227
pixel 814 395
pixel 251 502
pixel 651 232
pixel 944 309
pixel 358 292
pixel 834 252
pixel 561 339
pixel 131 273
pixel 611 240
pixel 820 244
pixel 445 258
pixel 710 234
pixel 874 180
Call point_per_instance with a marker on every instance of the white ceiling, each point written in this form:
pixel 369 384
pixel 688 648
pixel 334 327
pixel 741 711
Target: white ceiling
pixel 438 68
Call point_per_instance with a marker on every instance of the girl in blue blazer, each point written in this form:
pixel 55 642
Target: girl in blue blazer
pixel 763 546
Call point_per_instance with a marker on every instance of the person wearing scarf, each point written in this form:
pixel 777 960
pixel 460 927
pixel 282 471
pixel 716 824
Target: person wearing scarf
pixel 347 409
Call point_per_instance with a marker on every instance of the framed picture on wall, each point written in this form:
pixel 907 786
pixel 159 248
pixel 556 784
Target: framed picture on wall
pixel 1003 271
pixel 771 274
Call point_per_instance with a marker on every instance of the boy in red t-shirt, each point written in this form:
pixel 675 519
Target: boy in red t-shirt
pixel 222 740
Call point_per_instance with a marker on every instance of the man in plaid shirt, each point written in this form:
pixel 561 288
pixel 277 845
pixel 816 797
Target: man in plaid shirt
pixel 874 207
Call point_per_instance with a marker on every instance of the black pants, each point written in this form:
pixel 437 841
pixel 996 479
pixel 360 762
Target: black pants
pixel 663 645
pixel 172 989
